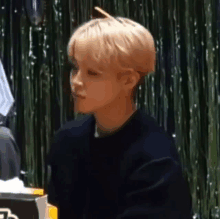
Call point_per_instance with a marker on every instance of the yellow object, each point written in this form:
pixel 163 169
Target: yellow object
pixel 38 192
pixel 51 210
pixel 35 191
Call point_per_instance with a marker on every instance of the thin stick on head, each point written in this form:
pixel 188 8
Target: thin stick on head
pixel 103 12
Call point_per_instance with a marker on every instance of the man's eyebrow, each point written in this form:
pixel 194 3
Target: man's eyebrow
pixel 75 62
pixel 72 63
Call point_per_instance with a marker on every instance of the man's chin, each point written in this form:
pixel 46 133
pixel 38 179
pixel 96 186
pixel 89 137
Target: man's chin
pixel 84 111
pixel 89 110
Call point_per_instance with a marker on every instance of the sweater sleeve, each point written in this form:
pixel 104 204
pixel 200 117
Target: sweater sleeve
pixel 52 167
pixel 157 190
pixel 61 186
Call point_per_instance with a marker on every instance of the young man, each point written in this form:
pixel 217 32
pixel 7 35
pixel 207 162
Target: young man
pixel 116 162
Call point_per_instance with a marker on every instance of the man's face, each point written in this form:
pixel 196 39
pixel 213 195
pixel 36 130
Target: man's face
pixel 98 90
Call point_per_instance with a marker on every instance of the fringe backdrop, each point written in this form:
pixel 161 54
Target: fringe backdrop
pixel 183 94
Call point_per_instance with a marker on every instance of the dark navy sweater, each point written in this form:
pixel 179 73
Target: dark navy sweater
pixel 133 173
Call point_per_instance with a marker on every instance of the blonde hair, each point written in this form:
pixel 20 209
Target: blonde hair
pixel 117 44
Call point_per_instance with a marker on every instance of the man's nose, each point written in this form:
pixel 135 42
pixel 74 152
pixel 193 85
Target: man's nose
pixel 76 80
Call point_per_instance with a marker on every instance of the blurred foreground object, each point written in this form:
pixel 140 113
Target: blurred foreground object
pixel 23 206
pixel 16 199
pixel 6 98
pixel 10 159
pixel 35 191
pixel 51 210
pixel 14 185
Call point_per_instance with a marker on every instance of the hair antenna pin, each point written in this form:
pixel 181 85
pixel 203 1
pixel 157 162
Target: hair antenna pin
pixel 103 12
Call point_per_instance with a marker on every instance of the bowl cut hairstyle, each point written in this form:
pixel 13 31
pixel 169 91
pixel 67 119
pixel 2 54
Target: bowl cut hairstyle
pixel 116 45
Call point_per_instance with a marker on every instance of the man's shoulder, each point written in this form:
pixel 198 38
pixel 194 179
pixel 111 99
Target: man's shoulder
pixel 157 143
pixel 66 140
pixel 153 141
pixel 75 127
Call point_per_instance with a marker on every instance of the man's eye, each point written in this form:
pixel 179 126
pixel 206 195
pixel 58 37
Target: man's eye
pixel 92 73
pixel 73 72
pixel 72 65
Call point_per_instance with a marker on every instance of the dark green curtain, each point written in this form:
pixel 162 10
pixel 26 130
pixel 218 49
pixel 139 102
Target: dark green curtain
pixel 183 94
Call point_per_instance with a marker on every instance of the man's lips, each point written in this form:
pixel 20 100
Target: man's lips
pixel 78 95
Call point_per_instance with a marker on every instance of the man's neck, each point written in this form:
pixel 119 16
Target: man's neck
pixel 111 120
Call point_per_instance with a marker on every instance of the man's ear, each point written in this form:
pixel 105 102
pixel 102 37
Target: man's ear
pixel 129 80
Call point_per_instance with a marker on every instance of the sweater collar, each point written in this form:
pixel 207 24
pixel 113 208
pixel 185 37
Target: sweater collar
pixel 97 135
